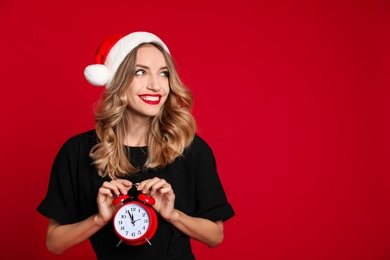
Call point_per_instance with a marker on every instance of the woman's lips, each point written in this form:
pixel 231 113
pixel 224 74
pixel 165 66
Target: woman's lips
pixel 151 99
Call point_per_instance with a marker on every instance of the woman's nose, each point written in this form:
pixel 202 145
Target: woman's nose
pixel 154 83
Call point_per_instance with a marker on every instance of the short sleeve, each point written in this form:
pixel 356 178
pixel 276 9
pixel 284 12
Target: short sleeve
pixel 61 200
pixel 212 202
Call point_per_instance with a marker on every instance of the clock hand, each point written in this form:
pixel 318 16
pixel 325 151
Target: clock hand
pixel 132 218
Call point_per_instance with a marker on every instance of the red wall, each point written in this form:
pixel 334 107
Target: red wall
pixel 293 96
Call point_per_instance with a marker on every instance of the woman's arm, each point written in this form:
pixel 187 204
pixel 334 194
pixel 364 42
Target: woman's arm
pixel 204 230
pixel 60 238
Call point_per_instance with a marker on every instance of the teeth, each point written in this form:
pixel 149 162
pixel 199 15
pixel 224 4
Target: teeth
pixel 149 98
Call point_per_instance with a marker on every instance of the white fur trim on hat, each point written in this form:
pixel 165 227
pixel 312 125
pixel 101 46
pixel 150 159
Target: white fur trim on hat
pixel 102 74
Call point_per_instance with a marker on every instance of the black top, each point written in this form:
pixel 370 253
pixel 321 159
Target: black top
pixel 74 184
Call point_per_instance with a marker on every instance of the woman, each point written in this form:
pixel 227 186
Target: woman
pixel 144 141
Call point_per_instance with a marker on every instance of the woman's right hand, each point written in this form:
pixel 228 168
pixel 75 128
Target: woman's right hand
pixel 107 193
pixel 62 237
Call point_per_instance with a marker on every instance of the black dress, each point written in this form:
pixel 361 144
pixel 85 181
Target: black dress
pixel 74 184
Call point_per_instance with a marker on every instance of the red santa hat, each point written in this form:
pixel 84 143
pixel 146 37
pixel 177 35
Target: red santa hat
pixel 112 52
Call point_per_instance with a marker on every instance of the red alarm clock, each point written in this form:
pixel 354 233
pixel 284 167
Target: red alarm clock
pixel 135 222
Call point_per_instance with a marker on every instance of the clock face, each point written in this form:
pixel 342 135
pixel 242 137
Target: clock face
pixel 132 221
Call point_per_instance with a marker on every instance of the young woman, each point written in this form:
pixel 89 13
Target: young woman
pixel 145 142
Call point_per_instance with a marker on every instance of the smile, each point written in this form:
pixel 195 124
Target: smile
pixel 151 99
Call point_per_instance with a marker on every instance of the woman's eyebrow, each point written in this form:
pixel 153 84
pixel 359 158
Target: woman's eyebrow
pixel 147 67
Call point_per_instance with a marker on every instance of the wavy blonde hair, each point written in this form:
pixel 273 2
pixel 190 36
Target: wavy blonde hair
pixel 171 130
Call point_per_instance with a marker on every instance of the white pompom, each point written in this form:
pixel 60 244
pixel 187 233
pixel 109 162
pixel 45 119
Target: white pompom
pixel 96 74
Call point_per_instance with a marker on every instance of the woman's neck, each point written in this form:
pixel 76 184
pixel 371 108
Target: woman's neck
pixel 138 135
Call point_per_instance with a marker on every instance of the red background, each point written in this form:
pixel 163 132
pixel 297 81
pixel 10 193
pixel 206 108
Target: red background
pixel 293 96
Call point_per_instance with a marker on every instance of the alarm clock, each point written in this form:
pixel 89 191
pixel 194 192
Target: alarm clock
pixel 135 222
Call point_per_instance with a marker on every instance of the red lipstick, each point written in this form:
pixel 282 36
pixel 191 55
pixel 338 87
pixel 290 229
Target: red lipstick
pixel 151 99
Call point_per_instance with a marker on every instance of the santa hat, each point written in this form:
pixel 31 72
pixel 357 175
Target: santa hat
pixel 112 52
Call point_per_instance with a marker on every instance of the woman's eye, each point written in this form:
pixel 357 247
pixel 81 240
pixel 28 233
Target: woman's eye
pixel 165 74
pixel 139 72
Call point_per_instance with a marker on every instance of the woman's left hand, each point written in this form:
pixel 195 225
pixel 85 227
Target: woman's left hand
pixel 201 229
pixel 162 192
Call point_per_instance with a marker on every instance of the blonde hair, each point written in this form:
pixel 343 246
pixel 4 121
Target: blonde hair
pixel 171 130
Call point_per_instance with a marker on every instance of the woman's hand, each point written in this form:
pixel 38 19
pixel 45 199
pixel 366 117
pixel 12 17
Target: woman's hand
pixel 107 193
pixel 62 237
pixel 204 230
pixel 162 192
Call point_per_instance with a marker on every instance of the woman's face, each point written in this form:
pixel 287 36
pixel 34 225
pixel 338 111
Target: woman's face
pixel 149 89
